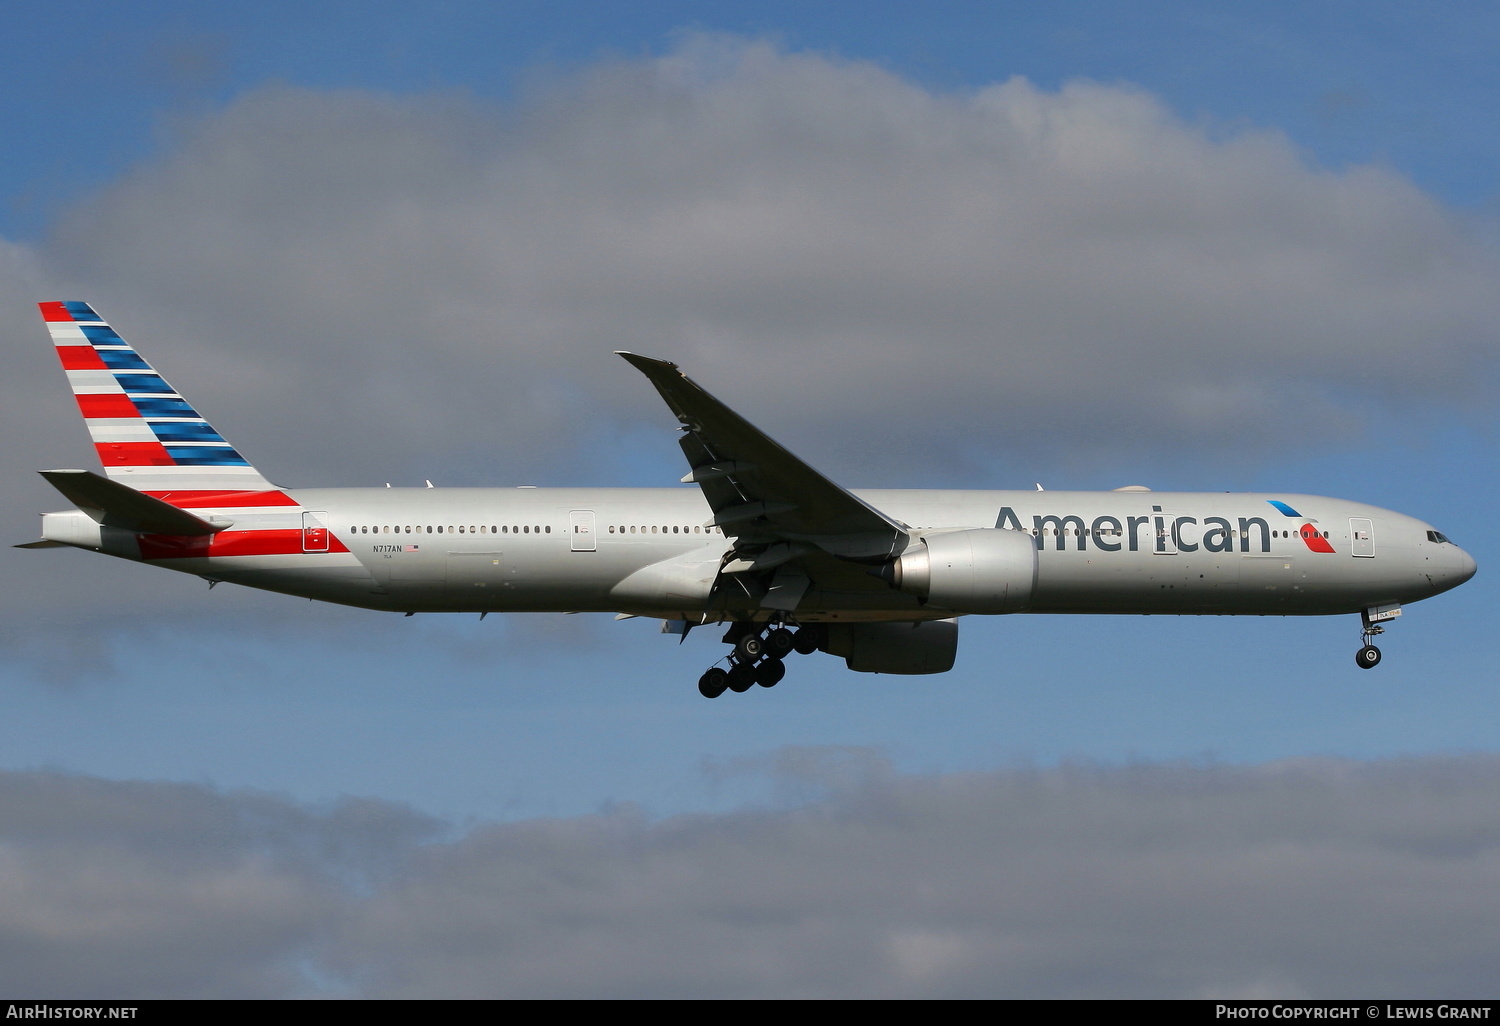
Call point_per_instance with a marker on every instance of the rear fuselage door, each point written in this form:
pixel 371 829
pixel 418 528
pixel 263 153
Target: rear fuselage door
pixel 581 529
pixel 314 532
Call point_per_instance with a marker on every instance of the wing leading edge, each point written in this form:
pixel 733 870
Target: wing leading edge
pixel 790 526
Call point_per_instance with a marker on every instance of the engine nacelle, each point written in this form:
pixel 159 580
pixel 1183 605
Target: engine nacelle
pixel 927 646
pixel 985 570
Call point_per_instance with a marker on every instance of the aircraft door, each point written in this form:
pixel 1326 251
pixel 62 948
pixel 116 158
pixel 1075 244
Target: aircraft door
pixel 1164 527
pixel 581 529
pixel 1361 536
pixel 314 532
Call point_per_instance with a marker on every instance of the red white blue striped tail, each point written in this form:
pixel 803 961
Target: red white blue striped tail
pixel 147 436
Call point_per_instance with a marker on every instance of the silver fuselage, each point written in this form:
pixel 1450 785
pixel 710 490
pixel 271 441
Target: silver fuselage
pixel 646 551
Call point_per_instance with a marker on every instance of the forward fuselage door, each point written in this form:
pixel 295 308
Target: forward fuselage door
pixel 1164 528
pixel 581 529
pixel 1361 536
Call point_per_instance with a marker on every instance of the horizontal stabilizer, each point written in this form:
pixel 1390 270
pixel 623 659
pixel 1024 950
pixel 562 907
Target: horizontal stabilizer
pixel 45 543
pixel 116 505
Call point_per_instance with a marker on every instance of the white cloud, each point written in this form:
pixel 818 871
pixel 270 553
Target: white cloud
pixel 843 252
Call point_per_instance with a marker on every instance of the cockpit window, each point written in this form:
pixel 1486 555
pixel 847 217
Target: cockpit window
pixel 1438 536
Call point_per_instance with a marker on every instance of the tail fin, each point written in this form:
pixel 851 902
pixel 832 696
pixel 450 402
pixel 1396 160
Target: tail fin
pixel 147 435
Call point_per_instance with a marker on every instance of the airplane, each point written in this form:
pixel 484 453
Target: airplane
pixel 783 557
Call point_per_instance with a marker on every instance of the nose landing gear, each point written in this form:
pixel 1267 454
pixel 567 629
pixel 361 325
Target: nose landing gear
pixel 759 656
pixel 1370 620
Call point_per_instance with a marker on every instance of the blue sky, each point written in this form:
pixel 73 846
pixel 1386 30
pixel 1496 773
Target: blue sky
pixel 298 214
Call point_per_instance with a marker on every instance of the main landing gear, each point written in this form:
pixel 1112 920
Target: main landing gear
pixel 759 651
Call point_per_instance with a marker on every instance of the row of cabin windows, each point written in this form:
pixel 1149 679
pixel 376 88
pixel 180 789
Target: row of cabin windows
pixel 655 529
pixel 460 529
pixel 519 529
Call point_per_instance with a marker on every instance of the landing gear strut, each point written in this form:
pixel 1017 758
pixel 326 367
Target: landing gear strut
pixel 1368 655
pixel 758 656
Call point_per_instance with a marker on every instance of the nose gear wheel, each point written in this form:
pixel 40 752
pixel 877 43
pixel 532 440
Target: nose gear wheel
pixel 1368 656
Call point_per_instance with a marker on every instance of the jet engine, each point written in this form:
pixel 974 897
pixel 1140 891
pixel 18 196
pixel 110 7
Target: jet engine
pixel 927 646
pixel 985 570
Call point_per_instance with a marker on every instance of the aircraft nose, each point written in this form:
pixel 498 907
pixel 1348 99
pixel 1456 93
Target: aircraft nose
pixel 1466 566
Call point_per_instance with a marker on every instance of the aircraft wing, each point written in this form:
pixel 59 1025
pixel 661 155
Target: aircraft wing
pixel 783 516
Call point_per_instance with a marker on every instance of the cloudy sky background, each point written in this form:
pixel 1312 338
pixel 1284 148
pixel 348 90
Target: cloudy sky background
pixel 982 245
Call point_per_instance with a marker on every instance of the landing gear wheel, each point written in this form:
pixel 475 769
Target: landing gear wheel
pixel 808 639
pixel 769 671
pixel 741 677
pixel 1367 657
pixel 713 682
pixel 749 648
pixel 779 642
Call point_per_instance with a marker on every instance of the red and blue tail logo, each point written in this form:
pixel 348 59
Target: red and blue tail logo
pixel 146 434
pixel 152 441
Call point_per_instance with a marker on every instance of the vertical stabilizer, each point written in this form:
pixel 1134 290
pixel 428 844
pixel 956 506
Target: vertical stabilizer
pixel 147 436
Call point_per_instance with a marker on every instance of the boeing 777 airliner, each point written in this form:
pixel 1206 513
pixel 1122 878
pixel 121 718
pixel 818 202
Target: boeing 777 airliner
pixel 786 558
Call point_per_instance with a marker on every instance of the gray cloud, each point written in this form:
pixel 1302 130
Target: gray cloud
pixel 1296 879
pixel 144 889
pixel 898 283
